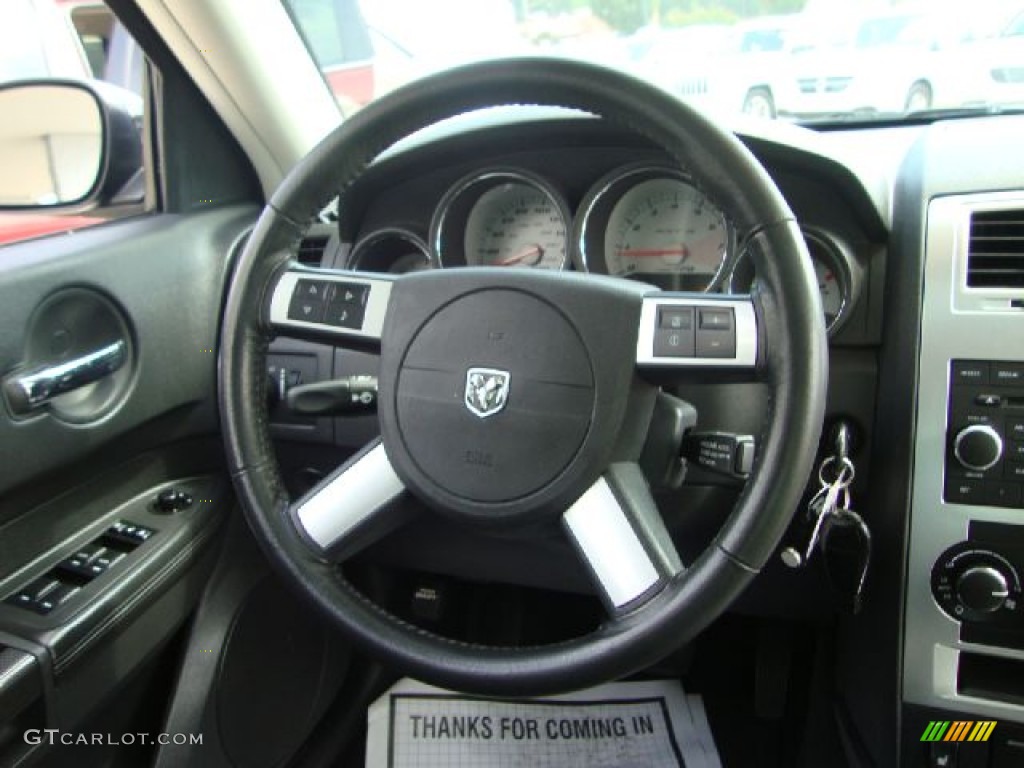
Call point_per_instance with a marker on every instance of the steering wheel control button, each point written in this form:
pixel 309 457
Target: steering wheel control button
pixel 672 343
pixel 978 447
pixel 352 294
pixel 346 306
pixel 676 318
pixel 172 500
pixel 716 319
pixel 716 335
pixel 312 290
pixel 344 315
pixel 715 344
pixel 306 310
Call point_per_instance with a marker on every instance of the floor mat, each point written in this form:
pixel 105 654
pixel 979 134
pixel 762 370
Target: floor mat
pixel 654 724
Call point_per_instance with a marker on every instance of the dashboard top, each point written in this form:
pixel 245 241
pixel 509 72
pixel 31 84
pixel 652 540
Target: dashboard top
pixel 561 190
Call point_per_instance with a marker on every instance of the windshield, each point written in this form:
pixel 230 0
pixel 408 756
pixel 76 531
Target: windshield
pixel 801 60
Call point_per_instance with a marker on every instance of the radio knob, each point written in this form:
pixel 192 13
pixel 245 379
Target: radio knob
pixel 978 447
pixel 982 589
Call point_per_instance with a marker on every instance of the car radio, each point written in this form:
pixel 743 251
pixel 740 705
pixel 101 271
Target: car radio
pixel 985 434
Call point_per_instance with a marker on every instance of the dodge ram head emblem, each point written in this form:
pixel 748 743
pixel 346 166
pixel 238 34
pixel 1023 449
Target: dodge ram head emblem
pixel 486 391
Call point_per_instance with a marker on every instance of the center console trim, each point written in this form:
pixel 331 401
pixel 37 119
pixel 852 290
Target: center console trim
pixel 952 327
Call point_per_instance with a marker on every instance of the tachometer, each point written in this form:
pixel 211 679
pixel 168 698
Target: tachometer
pixel 652 224
pixel 502 219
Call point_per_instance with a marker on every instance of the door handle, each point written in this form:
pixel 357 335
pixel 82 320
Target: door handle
pixel 31 390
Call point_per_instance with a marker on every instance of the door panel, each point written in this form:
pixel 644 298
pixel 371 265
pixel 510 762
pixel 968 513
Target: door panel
pixel 166 275
pixel 98 570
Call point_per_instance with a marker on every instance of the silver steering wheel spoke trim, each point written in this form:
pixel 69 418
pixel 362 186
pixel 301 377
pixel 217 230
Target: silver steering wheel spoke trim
pixel 618 532
pixel 352 507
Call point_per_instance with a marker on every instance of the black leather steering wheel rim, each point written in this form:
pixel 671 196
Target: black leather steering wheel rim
pixel 794 367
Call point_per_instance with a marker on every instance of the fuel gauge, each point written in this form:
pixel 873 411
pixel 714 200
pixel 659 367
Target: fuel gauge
pixel 832 283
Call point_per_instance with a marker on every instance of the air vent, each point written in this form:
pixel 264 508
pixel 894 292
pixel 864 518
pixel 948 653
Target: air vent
pixel 995 255
pixel 311 250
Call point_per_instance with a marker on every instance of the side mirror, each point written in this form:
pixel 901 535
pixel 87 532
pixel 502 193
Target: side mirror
pixel 65 143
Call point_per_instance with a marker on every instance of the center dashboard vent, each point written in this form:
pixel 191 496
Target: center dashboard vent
pixel 311 250
pixel 995 253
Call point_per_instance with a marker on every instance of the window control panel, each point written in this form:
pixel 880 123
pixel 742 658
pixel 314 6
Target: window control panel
pixel 67 577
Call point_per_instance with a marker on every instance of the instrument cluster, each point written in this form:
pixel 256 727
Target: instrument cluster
pixel 641 222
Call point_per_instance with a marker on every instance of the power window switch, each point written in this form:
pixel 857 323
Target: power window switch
pixel 56 598
pixel 106 558
pixel 41 586
pixel 29 595
pixel 128 533
pixel 21 599
pixel 75 567
pixel 103 560
pixel 87 553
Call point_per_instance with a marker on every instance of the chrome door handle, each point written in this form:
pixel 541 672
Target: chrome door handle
pixel 34 389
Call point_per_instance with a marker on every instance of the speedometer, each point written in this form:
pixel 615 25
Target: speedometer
pixel 664 226
pixel 502 218
pixel 516 225
pixel 652 224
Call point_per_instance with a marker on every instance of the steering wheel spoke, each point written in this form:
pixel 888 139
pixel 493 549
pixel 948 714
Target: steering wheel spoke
pixel 618 532
pixel 352 507
pixel 682 332
pixel 334 306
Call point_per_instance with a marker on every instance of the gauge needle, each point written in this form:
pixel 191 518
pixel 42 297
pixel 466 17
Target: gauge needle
pixel 651 253
pixel 531 254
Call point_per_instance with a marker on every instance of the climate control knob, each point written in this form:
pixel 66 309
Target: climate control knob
pixel 978 447
pixel 982 589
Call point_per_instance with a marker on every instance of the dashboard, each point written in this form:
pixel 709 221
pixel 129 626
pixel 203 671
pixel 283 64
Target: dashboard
pixel 926 364
pixel 599 206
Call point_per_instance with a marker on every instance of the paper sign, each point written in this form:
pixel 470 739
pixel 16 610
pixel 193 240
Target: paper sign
pixel 650 724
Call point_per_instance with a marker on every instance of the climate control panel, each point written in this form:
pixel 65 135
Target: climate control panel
pixel 985 457
pixel 978 583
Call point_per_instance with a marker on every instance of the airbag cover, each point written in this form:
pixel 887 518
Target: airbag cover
pixel 519 442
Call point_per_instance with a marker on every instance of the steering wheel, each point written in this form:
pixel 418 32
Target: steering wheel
pixel 519 400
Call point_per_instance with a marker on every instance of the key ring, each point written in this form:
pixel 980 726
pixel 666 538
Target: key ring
pixel 843 477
